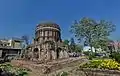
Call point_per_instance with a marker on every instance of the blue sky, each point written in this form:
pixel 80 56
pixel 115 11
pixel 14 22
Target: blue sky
pixel 19 17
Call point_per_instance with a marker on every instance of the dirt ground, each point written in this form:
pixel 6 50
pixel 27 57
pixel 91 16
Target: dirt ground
pixel 51 68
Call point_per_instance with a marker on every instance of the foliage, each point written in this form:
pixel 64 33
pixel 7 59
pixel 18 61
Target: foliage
pixel 62 74
pixel 102 43
pixel 116 56
pixel 78 48
pixel 86 53
pixel 26 39
pixel 66 42
pixel 14 70
pixel 72 44
pixel 21 72
pixel 102 64
pixel 92 32
pixel 91 56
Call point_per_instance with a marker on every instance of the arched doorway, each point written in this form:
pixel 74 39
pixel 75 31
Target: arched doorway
pixel 36 53
pixel 57 52
pixel 36 50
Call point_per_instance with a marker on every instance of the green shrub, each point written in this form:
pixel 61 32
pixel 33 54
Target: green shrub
pixel 115 56
pixel 86 53
pixel 15 70
pixel 62 74
pixel 92 56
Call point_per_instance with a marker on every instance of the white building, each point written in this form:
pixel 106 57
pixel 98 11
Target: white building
pixel 11 46
pixel 88 48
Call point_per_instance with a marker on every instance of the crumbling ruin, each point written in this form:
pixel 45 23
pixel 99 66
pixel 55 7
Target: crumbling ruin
pixel 47 44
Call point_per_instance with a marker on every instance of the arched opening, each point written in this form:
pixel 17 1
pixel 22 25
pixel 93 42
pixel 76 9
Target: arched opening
pixel 58 51
pixel 36 50
pixel 36 53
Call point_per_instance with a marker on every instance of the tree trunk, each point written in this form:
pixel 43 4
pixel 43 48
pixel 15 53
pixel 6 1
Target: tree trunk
pixel 95 50
pixel 91 48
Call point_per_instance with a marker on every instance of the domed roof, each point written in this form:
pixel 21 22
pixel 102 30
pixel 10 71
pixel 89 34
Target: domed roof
pixel 49 24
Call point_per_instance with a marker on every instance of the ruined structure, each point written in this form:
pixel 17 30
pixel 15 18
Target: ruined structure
pixel 47 44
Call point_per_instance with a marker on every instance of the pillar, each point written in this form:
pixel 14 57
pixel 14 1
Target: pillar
pixel 39 52
pixel 53 54
pixel 66 54
pixel 61 54
pixel 48 55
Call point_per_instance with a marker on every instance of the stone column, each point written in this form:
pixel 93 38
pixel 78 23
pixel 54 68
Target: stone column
pixel 66 54
pixel 32 53
pixel 61 54
pixel 54 56
pixel 39 52
pixel 48 55
pixel 42 55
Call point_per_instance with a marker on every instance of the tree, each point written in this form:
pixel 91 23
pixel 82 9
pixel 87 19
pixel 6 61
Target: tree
pixel 66 42
pixel 118 46
pixel 78 48
pixel 111 46
pixel 26 39
pixel 91 31
pixel 72 44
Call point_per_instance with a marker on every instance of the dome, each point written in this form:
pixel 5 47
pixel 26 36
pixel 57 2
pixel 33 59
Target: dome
pixel 48 24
